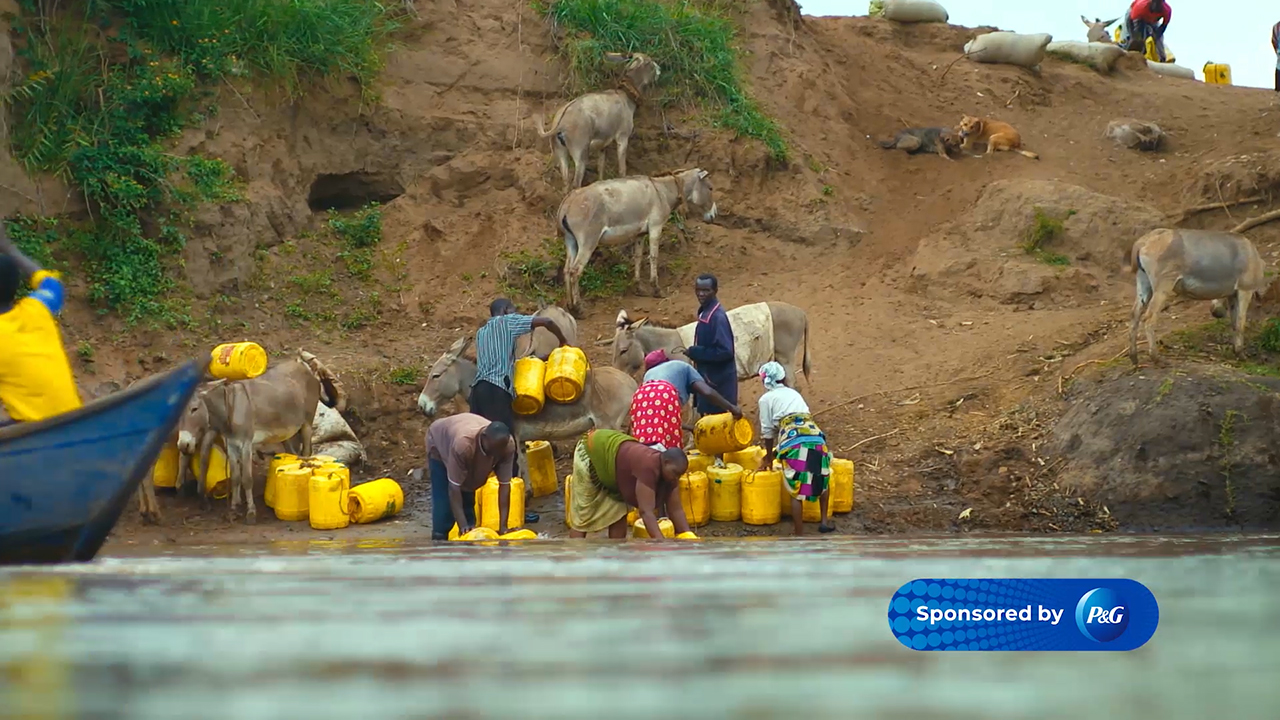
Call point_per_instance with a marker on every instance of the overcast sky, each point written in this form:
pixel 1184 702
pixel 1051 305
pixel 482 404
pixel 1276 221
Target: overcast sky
pixel 1236 32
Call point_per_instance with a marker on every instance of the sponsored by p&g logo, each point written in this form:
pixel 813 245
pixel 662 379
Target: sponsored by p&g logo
pixel 1023 614
pixel 1101 615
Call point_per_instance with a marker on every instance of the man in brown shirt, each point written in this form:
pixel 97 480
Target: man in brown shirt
pixel 462 451
pixel 611 471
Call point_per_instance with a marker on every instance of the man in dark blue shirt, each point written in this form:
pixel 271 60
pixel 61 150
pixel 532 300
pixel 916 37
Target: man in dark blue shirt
pixel 712 351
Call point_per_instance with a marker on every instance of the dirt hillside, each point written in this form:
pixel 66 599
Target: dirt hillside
pixel 938 344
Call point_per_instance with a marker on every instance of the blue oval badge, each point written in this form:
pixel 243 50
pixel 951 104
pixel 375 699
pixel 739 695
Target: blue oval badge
pixel 1102 615
pixel 1030 614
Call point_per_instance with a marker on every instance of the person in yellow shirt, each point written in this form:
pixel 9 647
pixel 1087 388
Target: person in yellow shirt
pixel 35 376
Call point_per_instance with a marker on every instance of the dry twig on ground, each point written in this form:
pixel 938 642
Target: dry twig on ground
pixel 1188 212
pixel 856 398
pixel 874 437
pixel 1254 222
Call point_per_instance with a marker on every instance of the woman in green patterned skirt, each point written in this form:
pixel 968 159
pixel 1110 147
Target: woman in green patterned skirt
pixel 789 434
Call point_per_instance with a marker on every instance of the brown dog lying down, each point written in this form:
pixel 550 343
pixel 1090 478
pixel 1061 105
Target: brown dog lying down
pixel 930 139
pixel 998 136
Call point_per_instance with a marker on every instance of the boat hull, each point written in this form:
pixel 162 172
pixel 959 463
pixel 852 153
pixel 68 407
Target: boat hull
pixel 65 481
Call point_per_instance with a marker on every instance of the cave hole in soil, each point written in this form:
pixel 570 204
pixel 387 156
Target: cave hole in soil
pixel 353 190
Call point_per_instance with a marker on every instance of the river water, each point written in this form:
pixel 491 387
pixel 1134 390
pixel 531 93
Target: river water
pixel 765 628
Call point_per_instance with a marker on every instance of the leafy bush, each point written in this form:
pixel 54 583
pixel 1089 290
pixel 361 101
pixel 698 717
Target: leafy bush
pixel 112 84
pixel 34 236
pixel 285 40
pixel 1045 229
pixel 695 47
pixel 360 233
pixel 535 276
pixel 1269 338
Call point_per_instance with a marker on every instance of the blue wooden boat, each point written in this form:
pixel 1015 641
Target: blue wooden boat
pixel 64 481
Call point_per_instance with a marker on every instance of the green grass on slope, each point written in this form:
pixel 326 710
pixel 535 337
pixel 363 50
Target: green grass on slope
pixel 111 83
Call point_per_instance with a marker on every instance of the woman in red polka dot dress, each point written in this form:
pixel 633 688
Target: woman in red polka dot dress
pixel 657 405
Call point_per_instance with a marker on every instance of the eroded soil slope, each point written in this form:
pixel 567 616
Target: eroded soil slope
pixel 937 342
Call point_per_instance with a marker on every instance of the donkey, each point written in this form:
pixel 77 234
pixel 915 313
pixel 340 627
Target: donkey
pixel 1098 30
pixel 541 342
pixel 762 332
pixel 195 422
pixel 1212 265
pixel 620 211
pixel 148 506
pixel 275 407
pixel 592 121
pixel 195 439
pixel 605 401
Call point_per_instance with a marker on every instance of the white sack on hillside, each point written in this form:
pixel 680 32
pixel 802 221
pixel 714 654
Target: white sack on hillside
pixel 1009 48
pixel 915 11
pixel 1099 56
pixel 331 435
pixel 1172 70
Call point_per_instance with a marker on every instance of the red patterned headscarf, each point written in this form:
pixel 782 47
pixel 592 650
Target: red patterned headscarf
pixel 654 359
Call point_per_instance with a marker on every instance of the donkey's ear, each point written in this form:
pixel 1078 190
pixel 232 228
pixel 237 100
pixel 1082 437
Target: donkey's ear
pixel 639 322
pixel 1085 20
pixel 623 320
pixel 459 345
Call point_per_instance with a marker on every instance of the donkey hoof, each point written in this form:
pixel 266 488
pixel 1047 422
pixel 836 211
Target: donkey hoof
pixel 251 517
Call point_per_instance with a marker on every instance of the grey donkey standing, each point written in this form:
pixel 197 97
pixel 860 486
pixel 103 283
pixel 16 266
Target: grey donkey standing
pixel 590 122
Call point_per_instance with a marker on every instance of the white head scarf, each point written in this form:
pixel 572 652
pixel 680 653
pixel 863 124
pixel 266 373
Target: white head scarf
pixel 772 374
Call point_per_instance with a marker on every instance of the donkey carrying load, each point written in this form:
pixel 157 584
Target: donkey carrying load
pixel 761 332
pixel 541 342
pixel 619 211
pixel 278 406
pixel 605 401
pixel 195 420
pixel 1198 264
pixel 592 121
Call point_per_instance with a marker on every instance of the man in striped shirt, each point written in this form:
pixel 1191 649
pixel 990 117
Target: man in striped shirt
pixel 492 392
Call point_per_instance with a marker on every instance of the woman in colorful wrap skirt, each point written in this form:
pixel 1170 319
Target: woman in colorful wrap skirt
pixel 789 434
